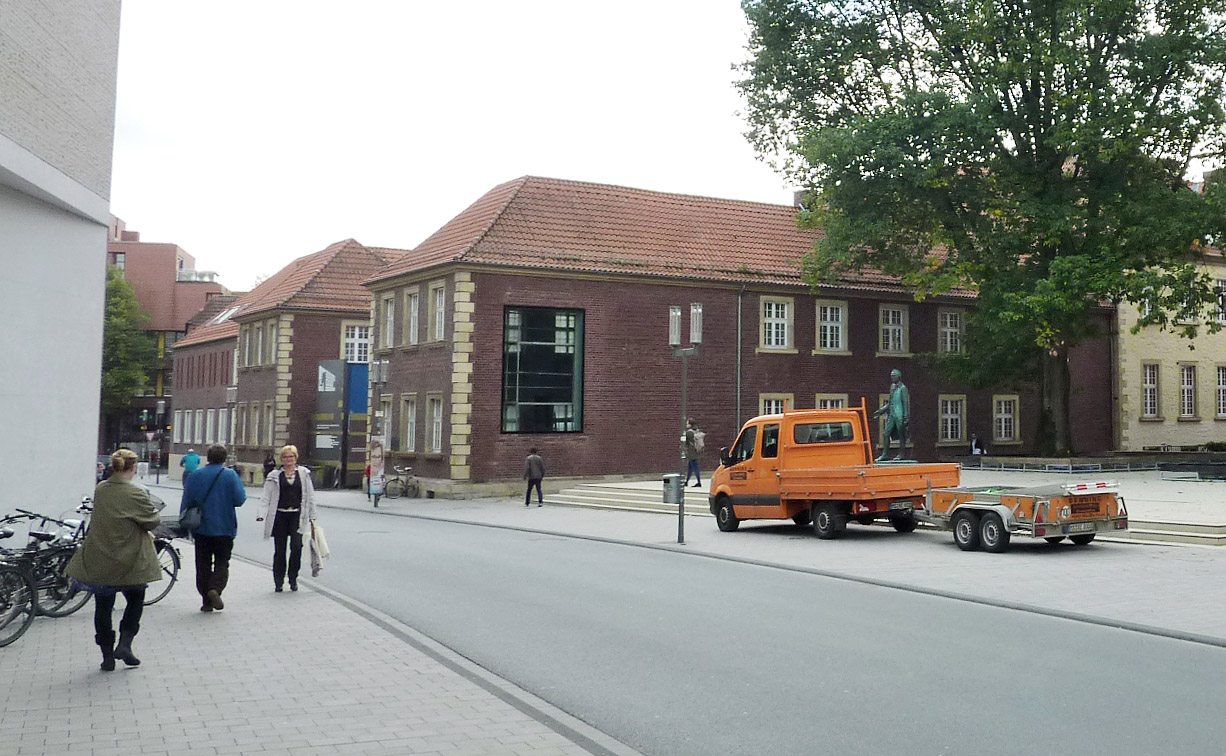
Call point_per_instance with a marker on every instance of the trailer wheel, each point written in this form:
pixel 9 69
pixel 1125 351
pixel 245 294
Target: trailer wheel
pixel 1083 539
pixel 966 530
pixel 725 518
pixel 993 533
pixel 903 523
pixel 803 518
pixel 828 522
pixel 1053 540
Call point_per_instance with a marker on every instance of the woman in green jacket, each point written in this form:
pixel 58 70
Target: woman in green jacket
pixel 118 557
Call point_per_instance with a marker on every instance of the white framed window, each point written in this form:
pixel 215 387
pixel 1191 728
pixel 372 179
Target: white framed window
pixel 271 343
pixel 831 326
pixel 1149 390
pixel 892 320
pixel 246 345
pixel 1221 391
pixel 258 345
pixel 355 345
pixel 1220 287
pixel 223 425
pixel 1004 418
pixel 830 401
pixel 270 426
pixel 949 331
pixel 255 439
pixel 952 418
pixel 435 419
pixel 176 425
pixel 240 420
pixel 383 425
pixel 774 404
pixel 438 311
pixel 210 426
pixel 199 427
pixel 1187 391
pixel 412 316
pixel 387 337
pixel 776 332
pixel 408 423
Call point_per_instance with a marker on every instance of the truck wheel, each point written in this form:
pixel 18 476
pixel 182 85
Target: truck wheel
pixel 903 523
pixel 828 522
pixel 1053 540
pixel 1083 539
pixel 993 533
pixel 966 530
pixel 803 519
pixel 725 518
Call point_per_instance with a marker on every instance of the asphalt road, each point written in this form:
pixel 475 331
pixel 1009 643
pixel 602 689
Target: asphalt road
pixel 687 655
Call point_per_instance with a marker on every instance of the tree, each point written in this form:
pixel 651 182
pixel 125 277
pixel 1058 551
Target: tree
pixel 128 353
pixel 1032 151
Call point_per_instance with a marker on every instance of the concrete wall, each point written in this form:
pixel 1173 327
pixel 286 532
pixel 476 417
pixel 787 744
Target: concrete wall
pixel 51 304
pixel 57 72
pixel 58 60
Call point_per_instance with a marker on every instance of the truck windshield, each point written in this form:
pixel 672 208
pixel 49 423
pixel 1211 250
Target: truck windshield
pixel 743 449
pixel 822 433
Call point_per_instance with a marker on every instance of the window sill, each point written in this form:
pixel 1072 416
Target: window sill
pixel 831 353
pixel 775 350
pixel 1188 419
pixel 1002 442
pixel 957 442
pixel 904 355
pixel 1147 419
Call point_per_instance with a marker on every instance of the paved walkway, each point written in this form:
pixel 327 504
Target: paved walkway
pixel 275 674
pixel 359 682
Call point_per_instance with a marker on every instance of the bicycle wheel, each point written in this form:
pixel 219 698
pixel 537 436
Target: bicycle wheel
pixel 168 558
pixel 16 603
pixel 412 489
pixel 394 488
pixel 56 595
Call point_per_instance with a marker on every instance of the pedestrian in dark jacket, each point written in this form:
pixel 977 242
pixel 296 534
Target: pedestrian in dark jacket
pixel 217 490
pixel 118 557
pixel 534 473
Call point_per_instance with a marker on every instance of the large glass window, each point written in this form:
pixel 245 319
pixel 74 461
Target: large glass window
pixel 542 370
pixel 1187 391
pixel 831 326
pixel 1149 390
pixel 357 343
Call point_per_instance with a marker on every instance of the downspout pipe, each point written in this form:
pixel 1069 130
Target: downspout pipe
pixel 739 301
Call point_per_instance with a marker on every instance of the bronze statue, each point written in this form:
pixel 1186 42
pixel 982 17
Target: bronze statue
pixel 897 410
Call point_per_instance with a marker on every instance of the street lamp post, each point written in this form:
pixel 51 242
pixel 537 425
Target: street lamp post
pixel 674 341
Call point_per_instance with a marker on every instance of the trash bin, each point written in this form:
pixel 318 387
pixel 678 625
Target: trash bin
pixel 672 488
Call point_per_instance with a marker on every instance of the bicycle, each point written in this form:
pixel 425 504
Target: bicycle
pixel 17 602
pixel 169 558
pixel 44 559
pixel 397 486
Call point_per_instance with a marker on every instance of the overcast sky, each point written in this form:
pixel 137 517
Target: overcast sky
pixel 252 133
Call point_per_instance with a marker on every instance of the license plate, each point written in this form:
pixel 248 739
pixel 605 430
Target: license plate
pixel 900 505
pixel 1079 527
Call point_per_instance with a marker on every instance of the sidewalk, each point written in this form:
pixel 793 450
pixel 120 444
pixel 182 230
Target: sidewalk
pixel 274 674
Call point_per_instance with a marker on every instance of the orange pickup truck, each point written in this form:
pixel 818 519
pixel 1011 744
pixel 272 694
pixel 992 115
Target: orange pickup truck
pixel 816 466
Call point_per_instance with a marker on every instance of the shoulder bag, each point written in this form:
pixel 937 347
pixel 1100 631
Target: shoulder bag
pixel 193 516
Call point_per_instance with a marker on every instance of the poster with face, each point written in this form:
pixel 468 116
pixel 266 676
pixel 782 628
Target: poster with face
pixel 376 466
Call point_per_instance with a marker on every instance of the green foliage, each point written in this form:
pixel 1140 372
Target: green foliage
pixel 128 353
pixel 1033 153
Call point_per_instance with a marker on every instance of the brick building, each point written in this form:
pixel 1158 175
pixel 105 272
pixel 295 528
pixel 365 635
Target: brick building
pixel 248 376
pixel 539 317
pixel 171 291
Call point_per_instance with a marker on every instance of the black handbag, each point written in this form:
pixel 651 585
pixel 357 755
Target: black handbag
pixel 191 518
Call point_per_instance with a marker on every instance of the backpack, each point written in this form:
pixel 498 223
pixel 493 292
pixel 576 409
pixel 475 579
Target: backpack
pixel 699 439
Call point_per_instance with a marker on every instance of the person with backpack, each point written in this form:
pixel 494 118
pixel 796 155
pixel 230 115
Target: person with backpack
pixel 694 443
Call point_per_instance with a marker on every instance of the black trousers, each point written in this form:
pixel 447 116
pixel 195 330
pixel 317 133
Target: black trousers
pixel 285 534
pixel 104 606
pixel 212 563
pixel 528 494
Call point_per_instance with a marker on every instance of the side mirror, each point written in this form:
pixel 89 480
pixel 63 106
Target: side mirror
pixel 725 458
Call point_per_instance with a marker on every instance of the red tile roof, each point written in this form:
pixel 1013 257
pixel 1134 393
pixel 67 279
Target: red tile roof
pixel 575 226
pixel 330 279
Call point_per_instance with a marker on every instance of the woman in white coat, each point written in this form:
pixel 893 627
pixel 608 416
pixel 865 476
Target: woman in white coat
pixel 289 498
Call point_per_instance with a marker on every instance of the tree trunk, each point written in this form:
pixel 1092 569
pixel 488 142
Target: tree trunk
pixel 1055 393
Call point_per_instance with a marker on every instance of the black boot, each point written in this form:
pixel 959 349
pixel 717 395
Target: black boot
pixel 106 641
pixel 123 649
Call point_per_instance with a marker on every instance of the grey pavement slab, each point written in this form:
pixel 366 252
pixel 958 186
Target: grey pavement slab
pixel 302 672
